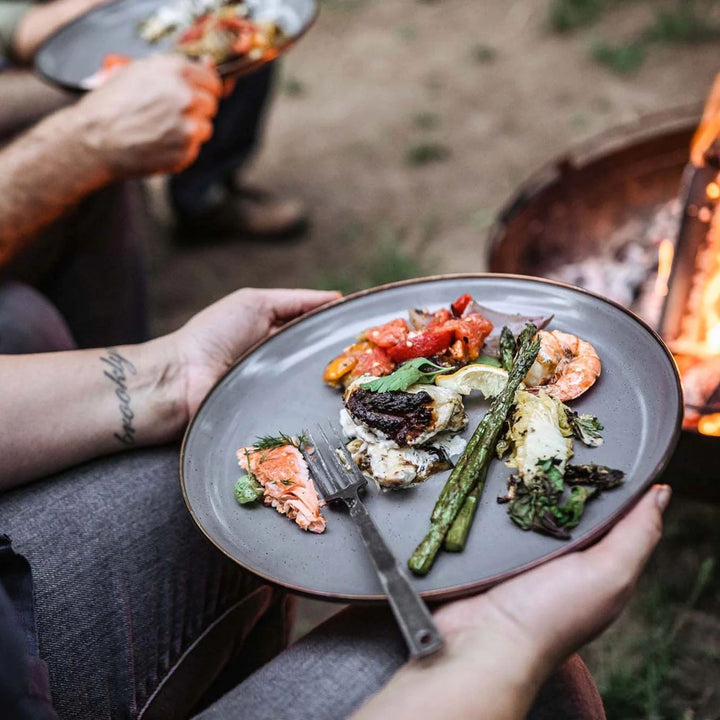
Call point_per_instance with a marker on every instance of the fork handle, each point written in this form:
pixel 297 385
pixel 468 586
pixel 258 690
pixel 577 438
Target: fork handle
pixel 411 613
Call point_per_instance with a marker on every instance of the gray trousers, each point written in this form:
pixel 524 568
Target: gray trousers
pixel 138 615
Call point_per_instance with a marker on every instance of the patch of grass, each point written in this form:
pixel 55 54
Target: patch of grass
pixel 426 120
pixel 568 15
pixel 294 87
pixel 639 681
pixel 482 53
pixel 482 218
pixel 579 120
pixel 621 58
pixel 433 83
pixel 382 261
pixel 407 33
pixel 685 24
pixel 424 153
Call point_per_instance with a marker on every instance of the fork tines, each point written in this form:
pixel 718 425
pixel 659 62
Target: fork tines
pixel 331 475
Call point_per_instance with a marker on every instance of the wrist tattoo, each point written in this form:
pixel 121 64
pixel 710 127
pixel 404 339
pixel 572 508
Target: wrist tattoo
pixel 119 368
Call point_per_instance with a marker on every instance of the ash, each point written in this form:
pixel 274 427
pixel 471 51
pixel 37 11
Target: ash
pixel 626 269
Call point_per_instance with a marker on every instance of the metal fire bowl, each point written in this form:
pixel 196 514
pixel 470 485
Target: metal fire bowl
pixel 565 211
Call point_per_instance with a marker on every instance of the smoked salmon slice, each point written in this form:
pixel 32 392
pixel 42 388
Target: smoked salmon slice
pixel 287 485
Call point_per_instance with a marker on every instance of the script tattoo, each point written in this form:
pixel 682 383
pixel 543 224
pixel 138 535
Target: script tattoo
pixel 119 367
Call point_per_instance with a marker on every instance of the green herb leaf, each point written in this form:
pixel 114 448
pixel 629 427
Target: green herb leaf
pixel 248 489
pixel 549 468
pixel 409 373
pixel 270 442
pixel 569 514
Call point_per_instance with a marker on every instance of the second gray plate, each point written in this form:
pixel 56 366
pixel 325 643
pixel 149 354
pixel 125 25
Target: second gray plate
pixel 277 386
pixel 77 50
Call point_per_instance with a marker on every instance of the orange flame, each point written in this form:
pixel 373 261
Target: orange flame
pixel 709 424
pixel 709 128
pixel 666 251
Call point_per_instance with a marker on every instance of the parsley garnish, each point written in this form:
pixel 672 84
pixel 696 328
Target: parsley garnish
pixel 409 373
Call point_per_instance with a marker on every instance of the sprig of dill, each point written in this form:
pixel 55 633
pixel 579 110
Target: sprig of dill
pixel 270 442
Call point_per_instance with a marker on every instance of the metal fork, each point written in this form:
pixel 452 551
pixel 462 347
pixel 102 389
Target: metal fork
pixel 338 483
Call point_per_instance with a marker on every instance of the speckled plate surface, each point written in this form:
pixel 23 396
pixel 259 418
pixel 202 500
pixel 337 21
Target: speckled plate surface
pixel 277 386
pixel 77 50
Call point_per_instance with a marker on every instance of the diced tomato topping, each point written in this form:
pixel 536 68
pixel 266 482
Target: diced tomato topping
pixel 392 333
pixel 458 307
pixel 373 362
pixel 440 317
pixel 471 331
pixel 426 343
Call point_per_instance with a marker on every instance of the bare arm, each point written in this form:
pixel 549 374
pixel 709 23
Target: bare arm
pixel 58 409
pixel 67 407
pixel 44 172
pixel 152 117
pixel 41 21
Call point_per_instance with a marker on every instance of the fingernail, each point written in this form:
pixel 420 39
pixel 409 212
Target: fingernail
pixel 662 496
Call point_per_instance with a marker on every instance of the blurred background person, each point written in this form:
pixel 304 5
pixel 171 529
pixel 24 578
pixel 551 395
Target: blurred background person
pixel 208 197
pixel 71 218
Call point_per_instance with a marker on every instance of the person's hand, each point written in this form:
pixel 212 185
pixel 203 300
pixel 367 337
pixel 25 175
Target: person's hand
pixel 507 642
pixel 151 116
pixel 213 340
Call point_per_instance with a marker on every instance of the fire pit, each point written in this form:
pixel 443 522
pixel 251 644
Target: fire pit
pixel 606 217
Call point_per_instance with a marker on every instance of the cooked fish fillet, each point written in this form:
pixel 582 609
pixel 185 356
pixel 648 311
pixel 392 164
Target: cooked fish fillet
pixel 393 467
pixel 287 484
pixel 410 418
pixel 401 438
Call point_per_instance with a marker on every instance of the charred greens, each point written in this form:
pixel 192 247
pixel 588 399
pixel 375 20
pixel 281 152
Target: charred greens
pixel 586 428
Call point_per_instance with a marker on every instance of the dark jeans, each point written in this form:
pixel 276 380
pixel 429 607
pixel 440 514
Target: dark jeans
pixel 237 129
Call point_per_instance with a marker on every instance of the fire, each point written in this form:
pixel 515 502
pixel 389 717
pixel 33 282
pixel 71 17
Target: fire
pixel 666 251
pixel 709 424
pixel 696 341
pixel 711 313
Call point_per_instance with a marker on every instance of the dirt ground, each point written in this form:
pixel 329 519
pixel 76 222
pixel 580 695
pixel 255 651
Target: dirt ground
pixel 484 80
pixel 414 121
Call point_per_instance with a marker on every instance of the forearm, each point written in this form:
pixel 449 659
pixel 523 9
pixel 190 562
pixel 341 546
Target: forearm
pixel 44 172
pixel 41 21
pixel 59 409
pixel 477 677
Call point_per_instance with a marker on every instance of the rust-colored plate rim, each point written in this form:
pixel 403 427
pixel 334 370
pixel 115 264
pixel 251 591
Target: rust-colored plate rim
pixel 466 589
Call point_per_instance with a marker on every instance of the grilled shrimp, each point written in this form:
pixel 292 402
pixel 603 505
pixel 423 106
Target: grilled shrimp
pixel 565 367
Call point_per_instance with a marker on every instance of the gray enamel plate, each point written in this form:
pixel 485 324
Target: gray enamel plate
pixel 277 386
pixel 77 50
